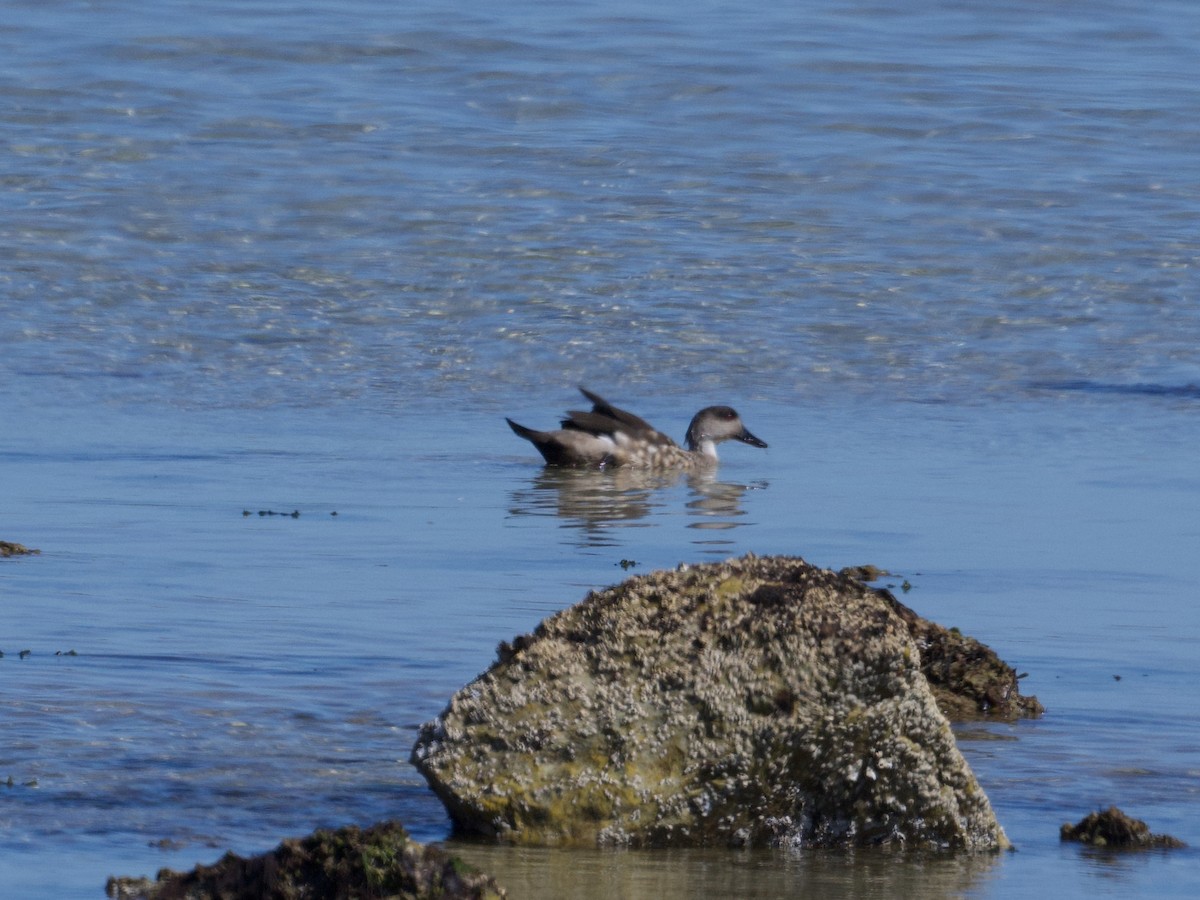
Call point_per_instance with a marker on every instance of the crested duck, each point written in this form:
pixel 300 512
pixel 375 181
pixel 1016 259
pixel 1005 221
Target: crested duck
pixel 608 437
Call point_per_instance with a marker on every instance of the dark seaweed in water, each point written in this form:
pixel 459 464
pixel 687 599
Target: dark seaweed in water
pixel 1100 387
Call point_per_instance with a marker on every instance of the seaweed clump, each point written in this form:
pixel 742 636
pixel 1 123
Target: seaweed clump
pixel 345 864
pixel 1113 829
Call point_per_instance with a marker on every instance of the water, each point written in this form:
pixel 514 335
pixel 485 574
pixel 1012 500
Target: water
pixel 292 258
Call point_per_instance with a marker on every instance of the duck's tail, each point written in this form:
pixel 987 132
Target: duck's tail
pixel 521 431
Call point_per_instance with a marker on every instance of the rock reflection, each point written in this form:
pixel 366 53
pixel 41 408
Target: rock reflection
pixel 669 874
pixel 592 502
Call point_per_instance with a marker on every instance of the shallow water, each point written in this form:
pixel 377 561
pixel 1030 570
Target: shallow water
pixel 292 259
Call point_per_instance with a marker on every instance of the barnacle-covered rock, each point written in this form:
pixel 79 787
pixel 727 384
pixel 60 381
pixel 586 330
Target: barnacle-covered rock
pixel 755 702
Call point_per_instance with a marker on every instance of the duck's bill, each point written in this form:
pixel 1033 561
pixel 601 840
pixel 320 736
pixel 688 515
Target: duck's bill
pixel 747 438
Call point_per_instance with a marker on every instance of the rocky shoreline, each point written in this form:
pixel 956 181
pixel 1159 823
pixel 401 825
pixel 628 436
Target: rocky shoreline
pixel 758 702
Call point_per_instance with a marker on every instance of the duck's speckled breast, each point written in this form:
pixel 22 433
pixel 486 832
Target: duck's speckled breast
pixel 645 455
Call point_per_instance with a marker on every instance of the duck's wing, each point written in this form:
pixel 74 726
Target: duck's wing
pixel 599 424
pixel 602 407
pixel 627 431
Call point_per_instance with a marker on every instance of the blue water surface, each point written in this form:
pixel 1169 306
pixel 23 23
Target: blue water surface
pixel 267 258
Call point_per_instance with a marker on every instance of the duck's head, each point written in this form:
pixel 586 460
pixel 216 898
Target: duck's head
pixel 714 424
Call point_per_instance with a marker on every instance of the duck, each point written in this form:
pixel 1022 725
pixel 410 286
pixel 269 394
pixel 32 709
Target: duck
pixel 609 437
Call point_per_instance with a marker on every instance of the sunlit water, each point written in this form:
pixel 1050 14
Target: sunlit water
pixel 265 257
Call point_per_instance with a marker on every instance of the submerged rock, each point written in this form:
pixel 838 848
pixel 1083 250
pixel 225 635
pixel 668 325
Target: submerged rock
pixel 8 548
pixel 381 861
pixel 756 702
pixel 1113 829
pixel 968 679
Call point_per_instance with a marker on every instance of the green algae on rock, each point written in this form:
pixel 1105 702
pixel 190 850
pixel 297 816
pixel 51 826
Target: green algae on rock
pixel 1114 830
pixel 755 702
pixel 346 864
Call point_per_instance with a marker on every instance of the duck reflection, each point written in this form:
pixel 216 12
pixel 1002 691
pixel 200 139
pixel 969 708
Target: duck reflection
pixel 594 503
pixel 717 504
